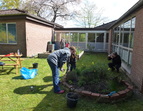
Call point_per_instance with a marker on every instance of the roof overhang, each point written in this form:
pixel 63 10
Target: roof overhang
pixel 30 17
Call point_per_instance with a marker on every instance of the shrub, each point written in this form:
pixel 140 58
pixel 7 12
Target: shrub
pixel 93 74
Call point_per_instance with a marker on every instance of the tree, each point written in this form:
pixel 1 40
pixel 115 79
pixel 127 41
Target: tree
pixel 89 16
pixel 50 9
pixel 10 4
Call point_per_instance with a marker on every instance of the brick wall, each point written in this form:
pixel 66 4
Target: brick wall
pixel 37 36
pixel 137 58
pixel 136 74
pixel 20 33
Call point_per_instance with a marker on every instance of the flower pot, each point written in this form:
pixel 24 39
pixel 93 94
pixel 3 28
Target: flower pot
pixel 35 65
pixel 72 99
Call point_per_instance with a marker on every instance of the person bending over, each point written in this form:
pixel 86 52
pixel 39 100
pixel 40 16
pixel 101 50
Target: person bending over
pixel 56 61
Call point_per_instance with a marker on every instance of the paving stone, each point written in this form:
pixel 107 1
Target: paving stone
pixel 122 93
pixel 130 87
pixel 87 93
pixel 115 96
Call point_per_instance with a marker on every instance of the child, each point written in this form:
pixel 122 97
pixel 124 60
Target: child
pixel 67 44
pixel 71 64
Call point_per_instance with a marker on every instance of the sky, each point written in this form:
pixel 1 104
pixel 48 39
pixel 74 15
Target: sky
pixel 112 9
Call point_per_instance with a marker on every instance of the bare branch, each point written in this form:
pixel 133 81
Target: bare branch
pixel 51 9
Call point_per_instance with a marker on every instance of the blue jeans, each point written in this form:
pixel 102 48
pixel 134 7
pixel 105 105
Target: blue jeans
pixel 55 75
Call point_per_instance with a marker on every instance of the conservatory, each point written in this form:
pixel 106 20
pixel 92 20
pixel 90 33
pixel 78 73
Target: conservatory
pixel 87 40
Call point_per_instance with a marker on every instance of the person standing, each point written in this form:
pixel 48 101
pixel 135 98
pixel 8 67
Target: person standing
pixel 62 44
pixel 116 61
pixel 56 61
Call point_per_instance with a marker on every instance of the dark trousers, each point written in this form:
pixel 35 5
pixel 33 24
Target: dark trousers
pixel 113 66
pixel 71 66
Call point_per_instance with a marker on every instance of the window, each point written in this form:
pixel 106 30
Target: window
pixel 74 37
pixel 82 37
pixel 8 33
pixel 107 37
pixel 91 37
pixel 126 39
pixel 121 34
pixel 116 38
pixel 132 32
pixel 67 37
pixel 127 27
pixel 100 37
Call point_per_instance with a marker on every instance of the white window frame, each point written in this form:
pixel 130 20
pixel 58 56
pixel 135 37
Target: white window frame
pixel 7 32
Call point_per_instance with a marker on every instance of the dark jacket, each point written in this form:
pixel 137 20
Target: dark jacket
pixel 116 60
pixel 72 59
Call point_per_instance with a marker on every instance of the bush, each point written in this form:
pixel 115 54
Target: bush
pixel 93 74
pixel 72 76
pixel 95 77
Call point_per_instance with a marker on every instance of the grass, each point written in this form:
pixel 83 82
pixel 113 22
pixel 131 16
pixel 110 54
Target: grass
pixel 16 95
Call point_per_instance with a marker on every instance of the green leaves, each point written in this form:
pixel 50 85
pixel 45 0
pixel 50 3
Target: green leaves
pixel 10 4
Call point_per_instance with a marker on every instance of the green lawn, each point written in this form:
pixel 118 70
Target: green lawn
pixel 16 95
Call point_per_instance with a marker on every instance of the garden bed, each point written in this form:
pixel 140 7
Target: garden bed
pixel 100 97
pixel 96 81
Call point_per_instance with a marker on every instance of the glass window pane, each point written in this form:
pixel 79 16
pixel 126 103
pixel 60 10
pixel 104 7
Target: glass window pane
pixel 126 39
pixel 116 38
pixel 62 35
pixel 107 37
pixel 67 37
pixel 91 37
pixel 82 37
pixel 132 32
pixel 125 54
pixel 82 41
pixel 11 33
pixel 91 41
pixel 127 27
pixel 121 34
pixel 133 23
pixel 131 40
pixel 130 58
pixel 3 36
pixel 74 37
pixel 100 37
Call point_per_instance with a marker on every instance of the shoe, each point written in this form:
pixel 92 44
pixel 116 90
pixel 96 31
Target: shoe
pixel 60 92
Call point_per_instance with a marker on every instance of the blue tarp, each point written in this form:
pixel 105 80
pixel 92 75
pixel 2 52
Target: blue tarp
pixel 28 73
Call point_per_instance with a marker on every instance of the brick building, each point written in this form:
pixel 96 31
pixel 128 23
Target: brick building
pixel 126 38
pixel 28 33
